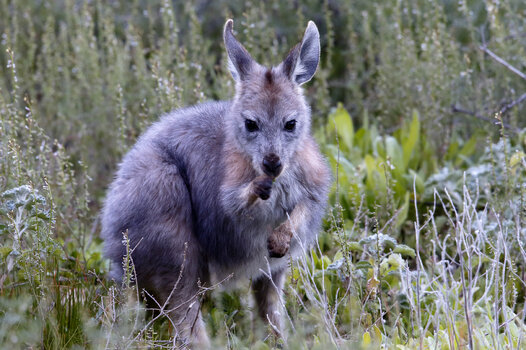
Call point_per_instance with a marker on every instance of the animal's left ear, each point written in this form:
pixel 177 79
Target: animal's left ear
pixel 302 61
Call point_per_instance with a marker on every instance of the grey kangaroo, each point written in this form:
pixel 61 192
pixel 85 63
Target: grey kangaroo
pixel 229 188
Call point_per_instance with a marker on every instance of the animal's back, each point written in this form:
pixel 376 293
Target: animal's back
pixel 151 198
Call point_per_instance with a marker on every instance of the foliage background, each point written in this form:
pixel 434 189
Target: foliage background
pixel 425 131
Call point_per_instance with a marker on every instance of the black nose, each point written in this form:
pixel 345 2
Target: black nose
pixel 271 164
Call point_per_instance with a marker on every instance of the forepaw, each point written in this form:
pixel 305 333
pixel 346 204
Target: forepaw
pixel 262 187
pixel 278 244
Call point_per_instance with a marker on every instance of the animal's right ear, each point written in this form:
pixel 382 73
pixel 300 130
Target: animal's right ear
pixel 240 62
pixel 302 61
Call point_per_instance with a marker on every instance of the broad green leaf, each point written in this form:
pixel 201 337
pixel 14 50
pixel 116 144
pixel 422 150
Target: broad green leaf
pixel 516 158
pixel 419 183
pixel 366 339
pixel 405 250
pixel 452 150
pixel 364 140
pixel 4 251
pixel 363 265
pixel 403 211
pixel 260 345
pixel 370 164
pixel 339 163
pixel 410 142
pixel 355 247
pixel 338 255
pixel 377 332
pixel 383 240
pixel 470 146
pixel 328 287
pixel 395 260
pixel 315 259
pixel 467 150
pixel 395 153
pixel 341 121
pixel 375 181
pixel 325 261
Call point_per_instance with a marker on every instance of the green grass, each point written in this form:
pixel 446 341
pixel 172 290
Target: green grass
pixel 423 243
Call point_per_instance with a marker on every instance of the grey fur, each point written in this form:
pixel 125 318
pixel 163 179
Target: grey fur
pixel 185 192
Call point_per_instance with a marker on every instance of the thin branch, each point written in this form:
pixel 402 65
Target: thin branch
pixel 458 109
pixel 505 108
pixel 512 104
pixel 502 61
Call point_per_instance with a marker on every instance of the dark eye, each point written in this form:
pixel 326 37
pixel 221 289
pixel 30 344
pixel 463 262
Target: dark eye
pixel 290 125
pixel 251 125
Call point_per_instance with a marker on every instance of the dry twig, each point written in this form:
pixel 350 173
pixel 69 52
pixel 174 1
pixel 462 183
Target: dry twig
pixel 505 108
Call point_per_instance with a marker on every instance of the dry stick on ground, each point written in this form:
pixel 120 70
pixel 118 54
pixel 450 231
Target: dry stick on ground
pixel 506 107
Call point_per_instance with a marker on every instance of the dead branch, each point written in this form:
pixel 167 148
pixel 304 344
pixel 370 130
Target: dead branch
pixel 512 104
pixel 497 115
pixel 502 61
pixel 458 109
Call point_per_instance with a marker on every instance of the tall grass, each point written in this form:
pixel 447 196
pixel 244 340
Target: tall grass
pixel 423 244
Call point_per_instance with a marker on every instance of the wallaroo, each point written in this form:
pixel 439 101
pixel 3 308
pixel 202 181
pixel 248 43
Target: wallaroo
pixel 230 188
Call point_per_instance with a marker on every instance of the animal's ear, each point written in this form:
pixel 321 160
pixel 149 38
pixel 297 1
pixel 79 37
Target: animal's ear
pixel 302 61
pixel 240 62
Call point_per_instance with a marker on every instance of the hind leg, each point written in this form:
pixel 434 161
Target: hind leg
pixel 267 294
pixel 179 295
pixel 189 325
pixel 171 269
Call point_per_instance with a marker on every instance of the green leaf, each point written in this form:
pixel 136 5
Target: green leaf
pixel 419 183
pixel 365 265
pixel 370 165
pixel 4 251
pixel 516 158
pixel 383 240
pixel 366 339
pixel 341 122
pixel 410 142
pixel 395 260
pixel 394 151
pixel 338 255
pixel 452 150
pixel 405 250
pixel 467 150
pixel 375 181
pixel 403 211
pixel 338 162
pixel 260 345
pixel 355 247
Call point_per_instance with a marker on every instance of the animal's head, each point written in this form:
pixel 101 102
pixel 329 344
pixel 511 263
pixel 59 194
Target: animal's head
pixel 270 118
